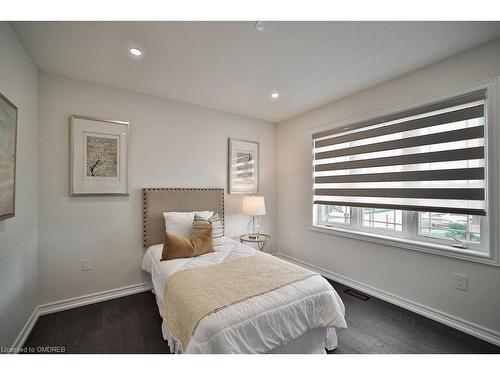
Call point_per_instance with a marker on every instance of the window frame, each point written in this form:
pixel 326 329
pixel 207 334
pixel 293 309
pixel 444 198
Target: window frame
pixel 409 238
pixel 410 228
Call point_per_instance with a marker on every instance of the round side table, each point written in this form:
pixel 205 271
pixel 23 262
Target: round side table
pixel 260 240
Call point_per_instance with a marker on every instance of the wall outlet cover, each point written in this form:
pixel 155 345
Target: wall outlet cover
pixel 86 264
pixel 460 281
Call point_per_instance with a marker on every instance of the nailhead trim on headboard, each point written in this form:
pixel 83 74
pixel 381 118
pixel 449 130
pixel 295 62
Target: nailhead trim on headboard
pixel 145 190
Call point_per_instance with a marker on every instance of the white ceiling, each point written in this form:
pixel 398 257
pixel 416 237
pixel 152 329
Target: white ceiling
pixel 232 67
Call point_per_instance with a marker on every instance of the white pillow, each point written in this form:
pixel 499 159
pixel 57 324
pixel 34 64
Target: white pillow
pixel 181 223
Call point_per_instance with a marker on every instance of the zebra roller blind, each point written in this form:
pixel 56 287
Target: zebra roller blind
pixel 427 159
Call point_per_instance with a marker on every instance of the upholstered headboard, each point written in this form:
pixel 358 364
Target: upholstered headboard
pixel 156 201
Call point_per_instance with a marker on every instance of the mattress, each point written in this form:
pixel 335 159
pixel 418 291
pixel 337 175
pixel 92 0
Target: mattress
pixel 259 324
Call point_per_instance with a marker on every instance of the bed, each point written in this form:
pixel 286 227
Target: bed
pixel 300 317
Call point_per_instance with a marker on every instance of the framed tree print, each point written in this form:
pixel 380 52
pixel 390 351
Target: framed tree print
pixel 8 142
pixel 243 167
pixel 99 156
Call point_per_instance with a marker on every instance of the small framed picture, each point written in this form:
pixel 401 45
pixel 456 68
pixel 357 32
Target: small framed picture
pixel 99 156
pixel 243 167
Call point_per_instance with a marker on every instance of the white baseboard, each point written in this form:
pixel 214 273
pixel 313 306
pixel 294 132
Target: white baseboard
pixel 25 332
pixel 473 329
pixel 88 299
pixel 72 303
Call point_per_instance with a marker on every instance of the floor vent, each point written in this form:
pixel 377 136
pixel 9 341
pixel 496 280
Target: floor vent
pixel 358 295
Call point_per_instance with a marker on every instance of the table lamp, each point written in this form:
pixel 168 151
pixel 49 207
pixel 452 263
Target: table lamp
pixel 253 206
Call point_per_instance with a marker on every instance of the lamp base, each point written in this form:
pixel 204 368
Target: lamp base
pixel 254 227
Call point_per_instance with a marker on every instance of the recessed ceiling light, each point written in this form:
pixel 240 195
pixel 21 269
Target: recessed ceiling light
pixel 275 95
pixel 259 26
pixel 135 51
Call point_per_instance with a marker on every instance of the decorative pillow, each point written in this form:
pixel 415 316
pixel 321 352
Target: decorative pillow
pixel 201 224
pixel 217 230
pixel 176 247
pixel 180 223
pixel 203 242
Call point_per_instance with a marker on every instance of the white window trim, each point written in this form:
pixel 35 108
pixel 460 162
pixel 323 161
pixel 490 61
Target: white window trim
pixel 492 137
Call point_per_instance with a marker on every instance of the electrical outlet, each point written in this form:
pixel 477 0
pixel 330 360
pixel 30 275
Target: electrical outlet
pixel 460 281
pixel 86 264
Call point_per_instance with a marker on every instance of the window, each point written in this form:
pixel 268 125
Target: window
pixel 418 176
pixel 445 226
pixel 458 232
pixel 383 218
pixel 329 215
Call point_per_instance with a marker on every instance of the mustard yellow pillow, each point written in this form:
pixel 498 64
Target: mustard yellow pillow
pixel 203 242
pixel 176 247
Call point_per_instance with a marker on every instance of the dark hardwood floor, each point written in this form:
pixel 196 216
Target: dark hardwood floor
pixel 132 325
pixel 376 326
pixel 129 324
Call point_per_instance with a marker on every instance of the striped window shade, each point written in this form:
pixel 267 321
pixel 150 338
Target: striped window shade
pixel 428 159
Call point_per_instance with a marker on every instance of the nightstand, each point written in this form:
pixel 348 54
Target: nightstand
pixel 260 240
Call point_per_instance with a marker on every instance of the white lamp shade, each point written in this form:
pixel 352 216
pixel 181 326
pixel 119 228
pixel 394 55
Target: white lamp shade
pixel 253 206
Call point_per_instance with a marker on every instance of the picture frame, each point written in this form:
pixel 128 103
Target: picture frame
pixel 98 156
pixel 243 166
pixel 8 157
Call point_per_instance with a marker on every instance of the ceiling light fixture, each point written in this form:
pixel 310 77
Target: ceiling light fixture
pixel 135 51
pixel 275 95
pixel 259 26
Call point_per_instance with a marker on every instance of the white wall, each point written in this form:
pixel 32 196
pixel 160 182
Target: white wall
pixel 18 235
pixel 419 277
pixel 172 145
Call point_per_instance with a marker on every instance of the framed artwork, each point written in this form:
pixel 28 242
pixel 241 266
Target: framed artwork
pixel 8 142
pixel 99 156
pixel 243 167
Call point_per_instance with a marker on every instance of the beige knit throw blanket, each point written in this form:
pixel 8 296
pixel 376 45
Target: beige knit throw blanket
pixel 193 293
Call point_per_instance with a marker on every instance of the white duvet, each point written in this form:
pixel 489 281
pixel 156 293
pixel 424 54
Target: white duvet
pixel 258 324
